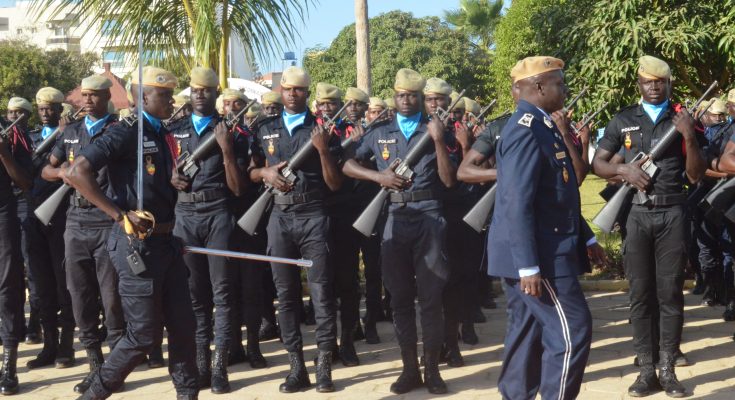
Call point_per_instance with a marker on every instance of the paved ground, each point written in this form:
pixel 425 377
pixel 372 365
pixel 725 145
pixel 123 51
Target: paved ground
pixel 707 341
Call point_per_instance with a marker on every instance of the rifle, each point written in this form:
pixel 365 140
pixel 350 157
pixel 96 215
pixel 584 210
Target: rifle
pixel 187 163
pixel 606 218
pixel 718 201
pixel 5 131
pixel 251 219
pixel 365 223
pixel 575 100
pixel 588 118
pixel 479 216
pixel 444 115
pixel 47 143
pixel 176 112
pixel 478 117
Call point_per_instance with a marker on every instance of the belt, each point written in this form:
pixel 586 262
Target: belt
pixel 202 196
pixel 163 228
pixel 664 200
pixel 297 198
pixel 80 202
pixel 409 197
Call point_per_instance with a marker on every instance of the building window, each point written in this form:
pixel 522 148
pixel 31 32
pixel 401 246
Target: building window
pixel 109 26
pixel 4 24
pixel 60 31
pixel 19 31
pixel 115 58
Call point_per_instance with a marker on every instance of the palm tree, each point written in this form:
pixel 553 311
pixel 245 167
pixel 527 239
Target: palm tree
pixel 187 32
pixel 362 36
pixel 477 19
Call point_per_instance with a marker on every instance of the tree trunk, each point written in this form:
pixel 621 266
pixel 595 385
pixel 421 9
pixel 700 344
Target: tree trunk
pixel 362 34
pixel 223 46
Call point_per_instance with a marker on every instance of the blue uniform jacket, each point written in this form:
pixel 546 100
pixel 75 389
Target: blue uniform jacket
pixel 537 219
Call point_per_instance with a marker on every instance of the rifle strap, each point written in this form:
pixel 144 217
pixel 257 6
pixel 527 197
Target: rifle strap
pixel 173 147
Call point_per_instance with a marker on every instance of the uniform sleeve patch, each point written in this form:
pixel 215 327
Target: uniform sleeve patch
pixel 526 120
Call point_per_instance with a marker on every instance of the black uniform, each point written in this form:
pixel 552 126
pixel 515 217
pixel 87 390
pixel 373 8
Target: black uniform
pixel 413 255
pixel 90 274
pixel 12 323
pixel 160 295
pixel 204 219
pixel 654 251
pixel 299 226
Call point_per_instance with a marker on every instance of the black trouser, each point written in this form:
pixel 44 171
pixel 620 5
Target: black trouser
pixel 269 295
pixel 212 279
pixel 370 249
pixel 345 259
pixel 414 262
pixel 90 276
pixel 295 236
pixel 654 258
pixel 46 265
pixel 464 253
pixel 158 297
pixel 12 322
pixel 248 304
pixel 23 215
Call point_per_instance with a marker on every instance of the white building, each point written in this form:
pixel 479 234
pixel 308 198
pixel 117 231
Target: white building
pixel 62 32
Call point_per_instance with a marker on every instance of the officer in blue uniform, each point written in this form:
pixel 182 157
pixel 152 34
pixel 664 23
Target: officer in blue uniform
pixel 89 271
pixel 204 219
pixel 299 225
pixel 15 169
pixel 535 244
pixel 157 294
pixel 413 255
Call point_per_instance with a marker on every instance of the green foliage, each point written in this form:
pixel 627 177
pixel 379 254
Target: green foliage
pixel 398 40
pixel 25 68
pixel 477 19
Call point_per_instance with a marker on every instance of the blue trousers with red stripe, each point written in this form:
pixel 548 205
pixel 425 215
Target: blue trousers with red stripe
pixel 547 342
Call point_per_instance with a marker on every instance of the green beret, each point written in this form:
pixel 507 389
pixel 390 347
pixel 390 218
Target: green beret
pixel 203 78
pixel 326 91
pixel 356 94
pixel 437 86
pixel 653 68
pixel 49 95
pixel 295 77
pixel 408 80
pixel 19 103
pixel 96 82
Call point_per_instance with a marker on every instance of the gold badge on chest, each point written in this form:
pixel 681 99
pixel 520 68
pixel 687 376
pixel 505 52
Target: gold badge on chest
pixel 565 174
pixel 386 153
pixel 150 168
pixel 71 155
pixel 628 142
pixel 178 147
pixel 271 147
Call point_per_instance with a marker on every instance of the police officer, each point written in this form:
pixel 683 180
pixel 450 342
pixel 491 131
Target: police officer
pixel 391 104
pixel 731 104
pixel 203 219
pixel 413 238
pixel 15 169
pixel 298 225
pixel 375 107
pixel 158 295
pixel 272 103
pixel 248 282
pixel 45 249
pixel 89 271
pixel 654 255
pixel 535 244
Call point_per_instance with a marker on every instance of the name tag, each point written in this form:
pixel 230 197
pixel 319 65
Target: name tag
pixel 630 129
pixel 268 137
pixel 71 141
pixel 150 150
pixel 560 155
pixel 387 141
pixel 182 135
pixel 149 144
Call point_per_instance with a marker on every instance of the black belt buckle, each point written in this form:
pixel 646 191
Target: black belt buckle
pixel 135 261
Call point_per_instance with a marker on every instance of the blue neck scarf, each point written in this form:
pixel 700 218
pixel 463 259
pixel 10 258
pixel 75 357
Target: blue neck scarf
pixel 654 110
pixel 408 124
pixel 47 130
pixel 200 123
pixel 94 127
pixel 293 120
pixel 155 122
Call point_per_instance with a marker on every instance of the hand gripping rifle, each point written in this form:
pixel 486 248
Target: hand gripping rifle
pixel 252 217
pixel 606 218
pixel 365 223
pixel 4 133
pixel 50 140
pixel 188 163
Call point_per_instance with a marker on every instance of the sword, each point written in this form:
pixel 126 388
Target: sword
pixel 139 183
pixel 248 256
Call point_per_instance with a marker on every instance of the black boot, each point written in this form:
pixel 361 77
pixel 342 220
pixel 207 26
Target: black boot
pixel 324 382
pixel 432 379
pixel 268 330
pixel 187 397
pixel 478 316
pixel 297 378
pixel 468 333
pixel 155 358
pixel 646 383
pixel 371 333
pixel 347 352
pixel 237 351
pixel 95 359
pixel 667 376
pixel 33 331
pixel 204 362
pixel 699 285
pixel 410 377
pixel 8 375
pixel 254 356
pixel 65 354
pixel 220 381
pixel 359 334
pixel 48 353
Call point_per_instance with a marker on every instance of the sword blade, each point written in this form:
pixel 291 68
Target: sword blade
pixel 248 256
pixel 139 183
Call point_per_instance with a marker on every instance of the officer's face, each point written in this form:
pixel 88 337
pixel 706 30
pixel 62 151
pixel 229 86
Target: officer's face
pixel 654 91
pixel 457 114
pixel 49 114
pixel 329 107
pixel 95 102
pixel 356 110
pixel 158 101
pixel 731 108
pixel 295 99
pixel 12 115
pixel 408 103
pixel 554 91
pixel 204 101
pixel 233 106
pixel 373 113
pixel 433 101
pixel 273 109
